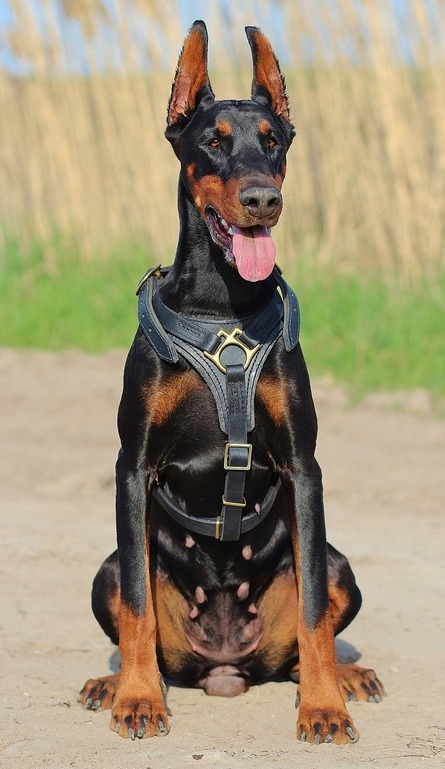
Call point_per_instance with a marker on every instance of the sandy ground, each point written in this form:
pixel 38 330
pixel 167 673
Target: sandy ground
pixel 384 478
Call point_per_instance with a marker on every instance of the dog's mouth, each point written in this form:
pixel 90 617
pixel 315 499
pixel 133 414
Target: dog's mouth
pixel 250 249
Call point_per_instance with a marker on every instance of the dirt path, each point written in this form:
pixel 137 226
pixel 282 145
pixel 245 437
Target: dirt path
pixel 384 481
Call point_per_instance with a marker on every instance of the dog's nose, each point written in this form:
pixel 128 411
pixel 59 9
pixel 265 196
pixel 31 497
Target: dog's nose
pixel 260 201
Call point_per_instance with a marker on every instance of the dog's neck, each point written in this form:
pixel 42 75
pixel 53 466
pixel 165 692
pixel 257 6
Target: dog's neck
pixel 201 281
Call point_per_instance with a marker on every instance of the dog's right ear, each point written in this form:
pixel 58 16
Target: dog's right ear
pixel 191 86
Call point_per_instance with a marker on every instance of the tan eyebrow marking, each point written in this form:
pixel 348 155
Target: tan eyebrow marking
pixel 224 128
pixel 265 127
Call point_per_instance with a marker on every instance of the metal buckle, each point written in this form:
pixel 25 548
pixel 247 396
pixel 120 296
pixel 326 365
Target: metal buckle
pixel 218 527
pixel 229 446
pixel 148 274
pixel 229 339
pixel 234 504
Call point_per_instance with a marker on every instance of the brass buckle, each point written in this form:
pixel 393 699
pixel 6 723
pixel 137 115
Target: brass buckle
pixel 148 274
pixel 218 527
pixel 234 504
pixel 229 339
pixel 229 446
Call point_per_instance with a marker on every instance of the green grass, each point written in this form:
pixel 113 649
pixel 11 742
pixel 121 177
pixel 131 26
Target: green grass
pixel 366 333
pixel 371 333
pixel 63 303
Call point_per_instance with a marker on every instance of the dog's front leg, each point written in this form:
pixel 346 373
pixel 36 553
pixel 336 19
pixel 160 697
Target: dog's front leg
pixel 138 708
pixel 322 714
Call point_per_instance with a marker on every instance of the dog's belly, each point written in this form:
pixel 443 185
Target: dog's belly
pixel 223 643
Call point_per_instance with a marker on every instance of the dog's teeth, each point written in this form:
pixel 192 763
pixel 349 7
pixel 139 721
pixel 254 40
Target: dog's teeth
pixel 252 609
pixel 194 613
pixel 247 552
pixel 258 508
pixel 243 591
pixel 230 231
pixel 200 595
pixel 189 541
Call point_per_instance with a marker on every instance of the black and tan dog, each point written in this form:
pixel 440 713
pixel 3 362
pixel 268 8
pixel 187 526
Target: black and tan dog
pixel 223 577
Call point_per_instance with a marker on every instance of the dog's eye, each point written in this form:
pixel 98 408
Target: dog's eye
pixel 214 143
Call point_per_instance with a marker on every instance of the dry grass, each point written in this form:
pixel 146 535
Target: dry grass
pixel 85 155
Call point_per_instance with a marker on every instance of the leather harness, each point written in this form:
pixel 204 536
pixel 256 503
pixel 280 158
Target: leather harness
pixel 229 354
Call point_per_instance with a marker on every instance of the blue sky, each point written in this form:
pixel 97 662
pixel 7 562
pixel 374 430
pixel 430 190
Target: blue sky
pixel 107 50
pixel 106 45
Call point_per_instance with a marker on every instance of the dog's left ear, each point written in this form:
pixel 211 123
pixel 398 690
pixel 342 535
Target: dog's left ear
pixel 268 86
pixel 191 86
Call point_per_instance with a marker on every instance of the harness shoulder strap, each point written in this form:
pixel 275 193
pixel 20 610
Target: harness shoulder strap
pixel 148 320
pixel 291 321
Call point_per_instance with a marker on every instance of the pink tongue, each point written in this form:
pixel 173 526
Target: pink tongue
pixel 254 252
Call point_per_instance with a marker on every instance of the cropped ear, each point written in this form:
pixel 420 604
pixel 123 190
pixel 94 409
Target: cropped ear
pixel 268 86
pixel 191 86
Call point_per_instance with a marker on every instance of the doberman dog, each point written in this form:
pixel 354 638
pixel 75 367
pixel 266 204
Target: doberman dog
pixel 223 577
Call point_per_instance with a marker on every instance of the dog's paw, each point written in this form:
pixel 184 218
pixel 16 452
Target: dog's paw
pixel 98 693
pixel 327 725
pixel 358 683
pixel 133 718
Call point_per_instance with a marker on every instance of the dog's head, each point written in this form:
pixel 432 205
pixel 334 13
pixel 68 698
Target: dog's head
pixel 233 153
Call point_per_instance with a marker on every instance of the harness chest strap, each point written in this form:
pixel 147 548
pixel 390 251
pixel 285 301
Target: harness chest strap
pixel 237 455
pixel 232 380
pixel 210 526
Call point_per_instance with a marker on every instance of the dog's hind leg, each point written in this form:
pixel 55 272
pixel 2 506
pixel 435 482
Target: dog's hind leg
pixel 356 683
pixel 105 597
pixel 98 693
pixel 322 715
pixel 344 596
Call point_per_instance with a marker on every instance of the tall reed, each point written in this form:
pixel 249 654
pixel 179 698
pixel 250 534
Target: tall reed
pixel 82 114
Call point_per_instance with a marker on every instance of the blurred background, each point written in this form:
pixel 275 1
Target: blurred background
pixel 88 182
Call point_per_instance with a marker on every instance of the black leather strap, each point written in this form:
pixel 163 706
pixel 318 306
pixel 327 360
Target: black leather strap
pixel 148 320
pixel 291 321
pixel 188 329
pixel 238 454
pixel 211 526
